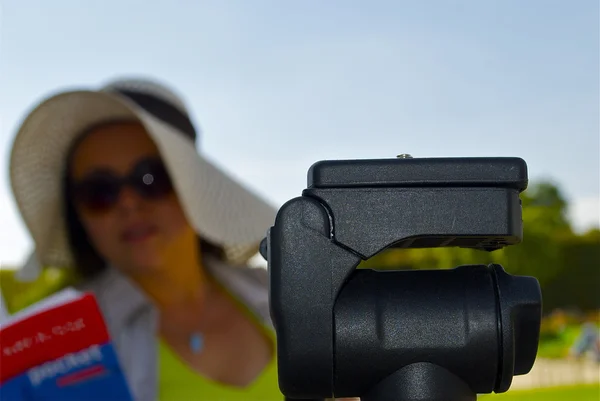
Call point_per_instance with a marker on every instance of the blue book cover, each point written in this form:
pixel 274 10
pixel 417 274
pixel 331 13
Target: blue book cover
pixel 92 374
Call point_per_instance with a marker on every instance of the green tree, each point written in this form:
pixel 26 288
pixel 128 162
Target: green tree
pixel 545 227
pixel 575 285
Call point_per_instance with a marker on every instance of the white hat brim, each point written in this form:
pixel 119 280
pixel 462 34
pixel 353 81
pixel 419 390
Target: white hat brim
pixel 218 207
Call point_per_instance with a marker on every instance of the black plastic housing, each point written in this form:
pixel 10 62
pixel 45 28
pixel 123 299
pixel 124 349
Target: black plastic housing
pixel 401 335
pixel 386 320
pixel 505 172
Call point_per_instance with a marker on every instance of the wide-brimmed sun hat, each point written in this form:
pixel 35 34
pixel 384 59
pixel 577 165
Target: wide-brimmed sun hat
pixel 219 208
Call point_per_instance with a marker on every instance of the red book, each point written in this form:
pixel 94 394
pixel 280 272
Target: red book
pixel 63 324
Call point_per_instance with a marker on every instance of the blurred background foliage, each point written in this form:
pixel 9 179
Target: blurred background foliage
pixel 20 294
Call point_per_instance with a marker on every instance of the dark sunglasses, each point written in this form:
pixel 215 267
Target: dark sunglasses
pixel 100 190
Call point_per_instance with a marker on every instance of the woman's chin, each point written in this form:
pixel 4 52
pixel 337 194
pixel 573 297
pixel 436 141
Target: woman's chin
pixel 144 264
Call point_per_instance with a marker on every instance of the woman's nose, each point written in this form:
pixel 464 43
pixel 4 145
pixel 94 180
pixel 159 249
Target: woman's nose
pixel 129 200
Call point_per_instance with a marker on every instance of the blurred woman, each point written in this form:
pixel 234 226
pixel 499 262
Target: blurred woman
pixel 110 185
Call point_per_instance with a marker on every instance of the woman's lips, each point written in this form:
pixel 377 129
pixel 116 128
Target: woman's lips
pixel 137 233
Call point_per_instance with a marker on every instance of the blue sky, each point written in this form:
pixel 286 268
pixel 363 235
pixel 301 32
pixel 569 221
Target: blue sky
pixel 296 82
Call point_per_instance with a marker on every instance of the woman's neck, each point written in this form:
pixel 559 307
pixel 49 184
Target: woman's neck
pixel 181 283
pixel 176 288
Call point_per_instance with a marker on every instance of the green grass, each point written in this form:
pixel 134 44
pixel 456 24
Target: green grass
pixel 589 392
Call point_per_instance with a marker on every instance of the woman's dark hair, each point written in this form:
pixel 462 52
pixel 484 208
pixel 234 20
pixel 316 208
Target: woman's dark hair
pixel 87 262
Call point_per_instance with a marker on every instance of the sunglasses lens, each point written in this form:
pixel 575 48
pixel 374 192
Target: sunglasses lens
pixel 97 193
pixel 151 179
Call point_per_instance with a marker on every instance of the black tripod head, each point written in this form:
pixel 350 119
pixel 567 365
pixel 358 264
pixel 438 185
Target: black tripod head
pixel 427 335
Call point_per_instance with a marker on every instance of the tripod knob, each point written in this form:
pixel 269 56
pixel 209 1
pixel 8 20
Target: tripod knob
pixel 520 319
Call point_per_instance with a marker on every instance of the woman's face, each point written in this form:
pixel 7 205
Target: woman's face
pixel 136 227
